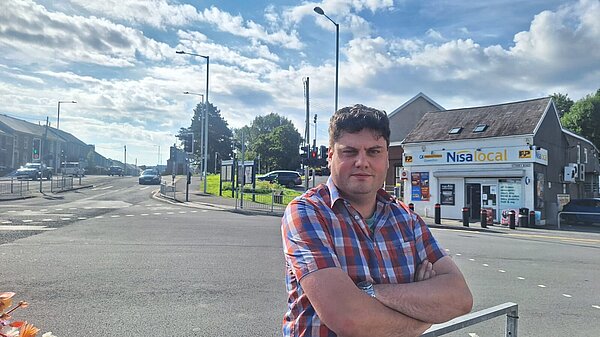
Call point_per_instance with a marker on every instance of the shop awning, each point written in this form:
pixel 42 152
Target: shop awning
pixel 509 173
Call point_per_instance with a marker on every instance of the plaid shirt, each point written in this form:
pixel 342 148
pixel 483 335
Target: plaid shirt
pixel 321 230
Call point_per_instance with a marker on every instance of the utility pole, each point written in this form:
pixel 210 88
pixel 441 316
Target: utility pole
pixel 307 130
pixel 124 159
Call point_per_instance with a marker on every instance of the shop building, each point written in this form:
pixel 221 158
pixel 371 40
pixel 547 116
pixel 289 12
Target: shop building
pixel 512 156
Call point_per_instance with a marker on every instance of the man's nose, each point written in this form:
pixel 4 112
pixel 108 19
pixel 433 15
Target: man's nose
pixel 361 159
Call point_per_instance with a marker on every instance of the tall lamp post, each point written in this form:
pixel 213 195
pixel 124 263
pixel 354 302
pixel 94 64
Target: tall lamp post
pixel 58 114
pixel 205 150
pixel 320 11
pixel 201 126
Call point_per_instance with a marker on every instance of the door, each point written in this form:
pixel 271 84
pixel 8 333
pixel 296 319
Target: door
pixel 473 196
pixel 489 200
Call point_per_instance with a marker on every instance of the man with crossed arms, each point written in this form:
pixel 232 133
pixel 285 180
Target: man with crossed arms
pixel 358 262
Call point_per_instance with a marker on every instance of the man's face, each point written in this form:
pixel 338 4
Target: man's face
pixel 359 163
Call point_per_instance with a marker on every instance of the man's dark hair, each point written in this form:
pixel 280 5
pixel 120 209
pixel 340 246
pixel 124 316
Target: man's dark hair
pixel 353 119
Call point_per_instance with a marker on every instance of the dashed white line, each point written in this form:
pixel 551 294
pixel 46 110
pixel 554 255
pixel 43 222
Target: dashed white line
pixel 458 254
pixel 99 217
pixel 204 210
pixel 47 220
pixel 7 222
pixel 157 213
pixel 58 209
pixel 182 212
pixel 82 218
pixel 115 216
pixel 144 214
pixel 25 228
pixel 567 295
pixel 130 215
pixel 501 271
pixel 471 259
pixel 170 212
pixel 596 306
pixel 541 286
pixel 193 211
pixel 65 218
pixel 472 334
pixel 485 265
pixel 27 221
pixel 520 277
pixel 43 210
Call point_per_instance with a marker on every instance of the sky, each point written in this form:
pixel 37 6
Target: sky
pixel 117 60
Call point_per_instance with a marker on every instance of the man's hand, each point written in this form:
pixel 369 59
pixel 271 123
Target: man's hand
pixel 424 271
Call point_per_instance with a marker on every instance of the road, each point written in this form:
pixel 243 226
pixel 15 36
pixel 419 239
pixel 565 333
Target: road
pixel 112 261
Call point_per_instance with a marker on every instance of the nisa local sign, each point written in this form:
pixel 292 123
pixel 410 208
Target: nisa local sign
pixel 477 156
pixel 467 156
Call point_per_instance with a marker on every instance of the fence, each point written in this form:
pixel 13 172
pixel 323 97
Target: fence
pixel 586 214
pixel 168 190
pixel 61 183
pixel 511 310
pixel 274 202
pixel 15 187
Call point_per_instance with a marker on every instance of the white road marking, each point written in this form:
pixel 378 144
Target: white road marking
pixel 471 259
pixel 144 214
pixel 47 220
pixel 99 217
pixel 541 286
pixel 143 188
pixel 472 334
pixel 72 207
pixel 115 216
pixel 170 212
pixel 25 228
pixel 458 254
pixel 204 210
pixel 447 249
pixel 82 218
pixel 65 218
pixel 12 212
pixel 43 210
pixel 485 265
pixel 502 271
pixel 157 213
pixel 182 212
pixel 27 220
pixel 193 211
pixel 596 306
pixel 520 277
pixel 7 221
pixel 130 215
pixel 567 295
pixel 58 209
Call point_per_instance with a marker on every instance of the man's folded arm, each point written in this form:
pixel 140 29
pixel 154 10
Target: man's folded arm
pixel 348 311
pixel 435 300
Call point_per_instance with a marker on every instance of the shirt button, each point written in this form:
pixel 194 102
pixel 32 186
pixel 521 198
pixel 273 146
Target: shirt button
pixel 356 217
pixel 384 276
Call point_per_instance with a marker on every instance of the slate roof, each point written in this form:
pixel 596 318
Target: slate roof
pixel 509 119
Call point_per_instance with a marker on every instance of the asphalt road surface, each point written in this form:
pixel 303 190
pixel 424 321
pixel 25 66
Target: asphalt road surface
pixel 112 261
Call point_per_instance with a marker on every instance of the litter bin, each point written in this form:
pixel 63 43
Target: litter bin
pixel 278 197
pixel 523 217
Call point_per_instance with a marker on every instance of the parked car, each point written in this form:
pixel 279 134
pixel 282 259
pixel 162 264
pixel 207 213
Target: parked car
pixel 72 169
pixel 34 171
pixel 591 205
pixel 149 176
pixel 286 178
pixel 115 171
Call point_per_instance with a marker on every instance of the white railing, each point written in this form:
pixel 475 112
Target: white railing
pixel 582 213
pixel 511 310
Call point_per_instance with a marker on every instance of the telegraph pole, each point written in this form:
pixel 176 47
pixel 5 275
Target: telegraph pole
pixel 307 130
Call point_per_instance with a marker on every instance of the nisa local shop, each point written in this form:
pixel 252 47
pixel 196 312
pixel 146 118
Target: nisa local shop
pixel 497 179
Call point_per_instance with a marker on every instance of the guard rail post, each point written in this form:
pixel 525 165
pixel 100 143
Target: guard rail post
pixel 511 219
pixel 483 218
pixel 465 216
pixel 438 214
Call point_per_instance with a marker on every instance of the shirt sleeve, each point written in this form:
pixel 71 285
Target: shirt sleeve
pixel 427 246
pixel 307 245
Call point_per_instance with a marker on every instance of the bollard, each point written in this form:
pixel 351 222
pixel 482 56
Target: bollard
pixel 411 206
pixel 532 218
pixel 438 214
pixel 523 220
pixel 465 216
pixel 511 219
pixel 483 218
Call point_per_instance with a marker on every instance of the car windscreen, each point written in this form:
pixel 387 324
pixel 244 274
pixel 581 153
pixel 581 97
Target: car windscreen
pixel 149 173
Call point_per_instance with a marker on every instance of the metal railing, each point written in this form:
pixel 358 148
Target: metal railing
pixel 274 202
pixel 511 310
pixel 14 186
pixel 582 213
pixel 168 190
pixel 61 183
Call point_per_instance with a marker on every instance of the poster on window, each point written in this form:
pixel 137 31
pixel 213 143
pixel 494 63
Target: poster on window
pixel 420 186
pixel 540 182
pixel 447 194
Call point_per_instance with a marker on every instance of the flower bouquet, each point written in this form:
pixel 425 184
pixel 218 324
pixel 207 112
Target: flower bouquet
pixel 9 328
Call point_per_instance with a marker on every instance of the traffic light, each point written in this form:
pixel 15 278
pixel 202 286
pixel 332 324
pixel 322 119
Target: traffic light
pixel 36 149
pixel 324 150
pixel 304 150
pixel 188 142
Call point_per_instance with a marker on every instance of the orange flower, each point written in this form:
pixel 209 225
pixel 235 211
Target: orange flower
pixel 5 300
pixel 28 330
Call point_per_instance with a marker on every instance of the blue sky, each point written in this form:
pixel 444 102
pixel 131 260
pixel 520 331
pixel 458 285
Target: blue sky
pixel 117 59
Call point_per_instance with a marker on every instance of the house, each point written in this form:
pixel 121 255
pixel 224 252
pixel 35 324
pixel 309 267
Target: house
pixel 402 120
pixel 510 156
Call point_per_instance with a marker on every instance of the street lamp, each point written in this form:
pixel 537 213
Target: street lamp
pixel 205 150
pixel 58 114
pixel 201 126
pixel 320 11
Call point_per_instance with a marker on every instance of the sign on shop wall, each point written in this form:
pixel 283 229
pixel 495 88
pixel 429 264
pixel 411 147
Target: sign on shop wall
pixel 420 186
pixel 510 197
pixel 447 194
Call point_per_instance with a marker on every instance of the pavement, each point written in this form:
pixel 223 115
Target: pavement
pixel 198 199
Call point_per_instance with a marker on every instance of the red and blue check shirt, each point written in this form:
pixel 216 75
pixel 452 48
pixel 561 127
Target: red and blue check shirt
pixel 322 230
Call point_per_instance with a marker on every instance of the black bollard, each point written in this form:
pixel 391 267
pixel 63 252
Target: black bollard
pixel 532 219
pixel 511 219
pixel 411 206
pixel 465 216
pixel 483 218
pixel 438 214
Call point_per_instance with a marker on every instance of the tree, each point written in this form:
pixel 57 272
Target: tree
pixel 219 135
pixel 563 103
pixel 275 139
pixel 584 118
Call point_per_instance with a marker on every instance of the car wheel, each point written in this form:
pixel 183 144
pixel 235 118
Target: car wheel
pixel 290 184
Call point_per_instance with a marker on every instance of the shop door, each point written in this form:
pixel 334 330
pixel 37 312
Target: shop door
pixel 489 200
pixel 474 200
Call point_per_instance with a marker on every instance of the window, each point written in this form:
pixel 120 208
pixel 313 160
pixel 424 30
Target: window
pixel 480 128
pixel 455 131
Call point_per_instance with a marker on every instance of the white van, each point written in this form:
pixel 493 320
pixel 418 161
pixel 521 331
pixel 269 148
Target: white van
pixel 72 168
